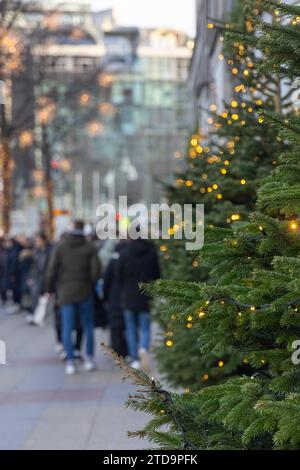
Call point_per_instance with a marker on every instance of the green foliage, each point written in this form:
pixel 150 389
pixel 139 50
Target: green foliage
pixel 245 319
pixel 223 170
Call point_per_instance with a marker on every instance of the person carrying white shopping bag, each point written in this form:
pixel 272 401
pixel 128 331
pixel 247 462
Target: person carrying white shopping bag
pixel 43 309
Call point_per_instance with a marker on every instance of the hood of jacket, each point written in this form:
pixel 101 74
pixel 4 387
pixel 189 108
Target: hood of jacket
pixel 140 247
pixel 74 239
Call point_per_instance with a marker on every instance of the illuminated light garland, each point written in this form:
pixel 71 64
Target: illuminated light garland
pixel 248 307
pixel 240 89
pixel 293 225
pixel 84 98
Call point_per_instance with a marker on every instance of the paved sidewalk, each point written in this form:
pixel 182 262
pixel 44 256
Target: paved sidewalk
pixel 40 408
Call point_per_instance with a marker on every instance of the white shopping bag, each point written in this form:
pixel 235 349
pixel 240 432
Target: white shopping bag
pixel 43 309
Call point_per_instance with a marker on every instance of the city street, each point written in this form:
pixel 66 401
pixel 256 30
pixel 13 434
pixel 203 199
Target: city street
pixel 150 202
pixel 41 408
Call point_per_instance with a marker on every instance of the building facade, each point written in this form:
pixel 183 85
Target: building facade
pixel 127 88
pixel 152 99
pixel 209 79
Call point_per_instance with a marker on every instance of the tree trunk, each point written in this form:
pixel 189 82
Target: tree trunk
pixel 6 170
pixel 50 207
pixel 50 227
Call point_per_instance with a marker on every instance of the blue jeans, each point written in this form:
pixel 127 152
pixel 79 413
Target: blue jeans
pixel 68 315
pixel 138 334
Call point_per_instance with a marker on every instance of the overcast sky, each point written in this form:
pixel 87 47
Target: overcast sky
pixel 178 14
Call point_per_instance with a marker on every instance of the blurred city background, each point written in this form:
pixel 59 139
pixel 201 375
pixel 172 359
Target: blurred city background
pixel 95 105
pixel 97 99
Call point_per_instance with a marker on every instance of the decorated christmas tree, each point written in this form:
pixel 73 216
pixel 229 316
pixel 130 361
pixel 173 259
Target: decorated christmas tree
pixel 224 167
pixel 250 316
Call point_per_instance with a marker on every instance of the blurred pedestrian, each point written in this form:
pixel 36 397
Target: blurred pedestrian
pixel 14 273
pixel 73 272
pixel 138 263
pixel 10 282
pixel 25 267
pixel 112 299
pixel 37 277
pixel 3 271
pixel 77 332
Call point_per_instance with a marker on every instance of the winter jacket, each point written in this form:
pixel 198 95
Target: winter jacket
pixel 112 290
pixel 111 281
pixel 138 263
pixel 3 269
pixel 38 273
pixel 73 270
pixel 25 268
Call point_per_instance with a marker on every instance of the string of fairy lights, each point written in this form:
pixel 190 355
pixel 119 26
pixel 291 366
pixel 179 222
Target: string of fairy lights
pixel 197 147
pixel 241 308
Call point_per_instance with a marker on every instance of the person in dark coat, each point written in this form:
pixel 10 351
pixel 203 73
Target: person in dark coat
pixel 37 278
pixel 112 299
pixel 138 263
pixel 73 272
pixel 14 271
pixel 25 267
pixel 3 271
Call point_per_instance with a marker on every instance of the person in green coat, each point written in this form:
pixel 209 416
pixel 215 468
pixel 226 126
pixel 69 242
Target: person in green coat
pixel 73 271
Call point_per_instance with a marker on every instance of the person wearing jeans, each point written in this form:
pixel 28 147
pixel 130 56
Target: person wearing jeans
pixel 137 322
pixel 73 272
pixel 86 313
pixel 138 263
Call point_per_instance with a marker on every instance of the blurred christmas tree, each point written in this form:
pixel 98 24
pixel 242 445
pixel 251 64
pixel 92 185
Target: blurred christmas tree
pixel 224 167
pixel 253 309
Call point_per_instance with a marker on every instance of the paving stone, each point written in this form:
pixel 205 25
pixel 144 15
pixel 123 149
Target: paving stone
pixel 41 408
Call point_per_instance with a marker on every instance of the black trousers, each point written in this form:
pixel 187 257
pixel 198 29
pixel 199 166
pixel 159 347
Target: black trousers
pixel 3 295
pixel 117 330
